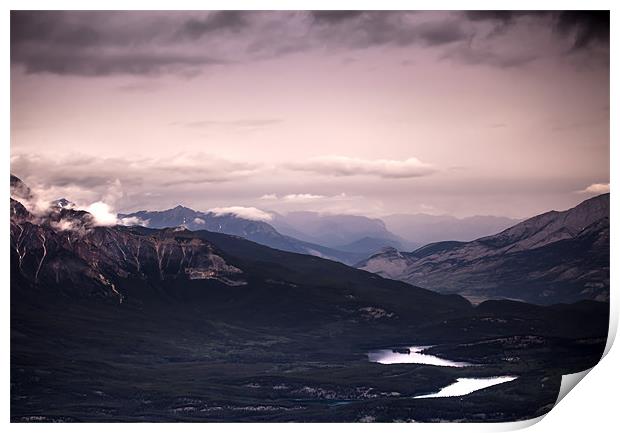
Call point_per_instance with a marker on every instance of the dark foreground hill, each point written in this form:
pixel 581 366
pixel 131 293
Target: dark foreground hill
pixel 550 258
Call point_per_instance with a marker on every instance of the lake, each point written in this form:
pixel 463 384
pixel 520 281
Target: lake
pixel 467 385
pixel 414 356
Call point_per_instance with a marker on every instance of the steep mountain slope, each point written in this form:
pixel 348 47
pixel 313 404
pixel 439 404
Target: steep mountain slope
pixel 19 190
pixel 257 231
pixel 553 257
pixel 425 229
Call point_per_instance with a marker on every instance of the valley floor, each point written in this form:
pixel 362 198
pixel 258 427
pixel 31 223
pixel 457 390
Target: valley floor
pixel 133 364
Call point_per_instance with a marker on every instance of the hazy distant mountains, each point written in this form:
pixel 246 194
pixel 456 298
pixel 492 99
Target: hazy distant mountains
pixel 345 238
pixel 344 232
pixel 553 257
pixel 424 229
pixel 257 231
pixel 401 231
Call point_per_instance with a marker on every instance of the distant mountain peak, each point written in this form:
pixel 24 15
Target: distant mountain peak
pixel 181 207
pixel 63 203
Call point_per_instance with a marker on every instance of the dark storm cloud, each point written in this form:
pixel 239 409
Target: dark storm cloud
pixel 79 29
pixel 384 27
pixel 30 26
pixel 101 43
pixel 589 27
pixel 222 20
pixel 81 63
pixel 442 32
pixel 376 28
pixel 505 39
pixel 501 16
pixel 331 17
pixel 466 54
pixel 139 43
pixel 584 27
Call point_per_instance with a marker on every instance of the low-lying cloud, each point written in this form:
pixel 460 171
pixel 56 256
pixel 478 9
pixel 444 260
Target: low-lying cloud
pixel 38 203
pixel 302 197
pixel 102 213
pixel 250 213
pixel 133 221
pixel 349 166
pixel 596 188
pixel 107 179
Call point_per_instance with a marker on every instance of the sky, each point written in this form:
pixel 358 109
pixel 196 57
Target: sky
pixel 369 113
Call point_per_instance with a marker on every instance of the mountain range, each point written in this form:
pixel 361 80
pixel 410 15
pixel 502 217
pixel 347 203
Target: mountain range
pixel 343 232
pixel 63 251
pixel 553 257
pixel 345 238
pixel 229 223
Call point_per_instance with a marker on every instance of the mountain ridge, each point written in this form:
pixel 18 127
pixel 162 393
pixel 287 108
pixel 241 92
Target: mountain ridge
pixel 254 230
pixel 64 252
pixel 557 256
pixel 425 228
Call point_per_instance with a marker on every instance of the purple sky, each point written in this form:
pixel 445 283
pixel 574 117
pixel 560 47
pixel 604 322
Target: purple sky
pixel 371 113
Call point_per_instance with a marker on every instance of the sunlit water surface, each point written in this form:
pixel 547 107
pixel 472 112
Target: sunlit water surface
pixel 467 385
pixel 388 356
pixel 462 386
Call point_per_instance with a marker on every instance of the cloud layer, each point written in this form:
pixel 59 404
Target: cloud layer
pixel 250 213
pixel 596 188
pixel 114 182
pixel 349 166
pixel 103 43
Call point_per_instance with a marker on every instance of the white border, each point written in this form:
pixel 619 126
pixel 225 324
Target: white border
pixel 593 406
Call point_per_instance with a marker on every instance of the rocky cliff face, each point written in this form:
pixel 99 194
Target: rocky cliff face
pixel 553 257
pixel 63 249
